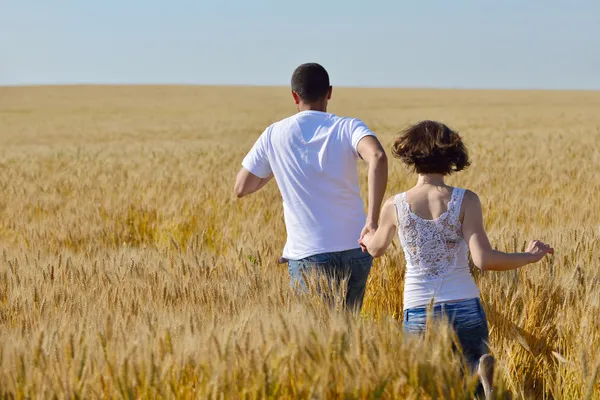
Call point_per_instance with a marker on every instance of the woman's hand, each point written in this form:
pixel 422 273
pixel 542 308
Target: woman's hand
pixel 365 240
pixel 369 229
pixel 537 250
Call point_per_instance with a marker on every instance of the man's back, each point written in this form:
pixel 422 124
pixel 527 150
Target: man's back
pixel 313 157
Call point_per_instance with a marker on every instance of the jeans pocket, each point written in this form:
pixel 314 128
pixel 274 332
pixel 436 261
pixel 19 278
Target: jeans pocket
pixel 415 319
pixel 296 277
pixel 313 264
pixel 309 268
pixel 467 314
pixel 316 259
pixel 362 263
pixel 358 270
pixel 413 325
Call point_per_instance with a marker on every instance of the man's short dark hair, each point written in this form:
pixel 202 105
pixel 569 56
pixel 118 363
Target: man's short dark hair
pixel 430 147
pixel 311 82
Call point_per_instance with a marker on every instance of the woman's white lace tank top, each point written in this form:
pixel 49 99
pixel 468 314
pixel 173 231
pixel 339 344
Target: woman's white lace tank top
pixel 437 257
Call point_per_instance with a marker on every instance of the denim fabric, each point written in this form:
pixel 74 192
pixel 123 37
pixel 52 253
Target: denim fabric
pixel 353 265
pixel 468 320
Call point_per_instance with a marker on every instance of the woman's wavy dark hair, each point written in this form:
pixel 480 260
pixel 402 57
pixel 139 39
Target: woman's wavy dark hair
pixel 430 147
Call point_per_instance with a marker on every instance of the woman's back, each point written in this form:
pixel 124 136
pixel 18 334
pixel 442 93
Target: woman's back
pixel 429 202
pixel 430 231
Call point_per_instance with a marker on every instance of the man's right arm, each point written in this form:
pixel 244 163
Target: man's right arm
pixel 256 170
pixel 247 183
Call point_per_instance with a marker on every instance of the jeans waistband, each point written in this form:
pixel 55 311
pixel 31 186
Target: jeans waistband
pixel 449 305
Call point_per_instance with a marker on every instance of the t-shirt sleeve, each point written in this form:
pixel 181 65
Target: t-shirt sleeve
pixel 257 160
pixel 359 131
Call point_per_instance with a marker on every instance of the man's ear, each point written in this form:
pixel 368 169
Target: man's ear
pixel 296 97
pixel 329 92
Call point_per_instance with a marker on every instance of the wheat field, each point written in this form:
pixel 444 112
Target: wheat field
pixel 129 269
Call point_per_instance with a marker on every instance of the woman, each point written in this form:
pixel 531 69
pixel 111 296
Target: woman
pixel 438 225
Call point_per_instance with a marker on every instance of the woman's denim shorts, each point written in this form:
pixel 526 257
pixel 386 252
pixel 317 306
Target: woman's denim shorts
pixel 468 320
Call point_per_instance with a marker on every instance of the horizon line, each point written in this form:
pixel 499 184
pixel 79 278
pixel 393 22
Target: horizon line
pixel 235 85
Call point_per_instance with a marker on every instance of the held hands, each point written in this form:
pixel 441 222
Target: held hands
pixel 364 242
pixel 366 234
pixel 537 250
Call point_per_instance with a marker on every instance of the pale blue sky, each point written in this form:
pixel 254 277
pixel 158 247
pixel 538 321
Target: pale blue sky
pixel 468 44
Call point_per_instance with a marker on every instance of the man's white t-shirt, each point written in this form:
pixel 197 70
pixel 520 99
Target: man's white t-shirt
pixel 313 157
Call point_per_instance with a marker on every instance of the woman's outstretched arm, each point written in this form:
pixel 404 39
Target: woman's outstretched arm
pixel 377 243
pixel 484 256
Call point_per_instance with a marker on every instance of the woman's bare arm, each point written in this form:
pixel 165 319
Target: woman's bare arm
pixel 484 256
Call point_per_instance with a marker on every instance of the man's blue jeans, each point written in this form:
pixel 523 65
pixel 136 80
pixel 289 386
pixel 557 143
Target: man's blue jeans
pixel 350 266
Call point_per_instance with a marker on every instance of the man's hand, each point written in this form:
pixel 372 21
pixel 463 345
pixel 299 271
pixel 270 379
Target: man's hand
pixel 366 239
pixel 376 239
pixel 369 229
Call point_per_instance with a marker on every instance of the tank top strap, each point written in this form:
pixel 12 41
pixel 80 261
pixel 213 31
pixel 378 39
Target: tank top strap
pixel 399 205
pixel 456 203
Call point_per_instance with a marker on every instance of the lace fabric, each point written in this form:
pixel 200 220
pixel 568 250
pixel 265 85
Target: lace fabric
pixel 431 246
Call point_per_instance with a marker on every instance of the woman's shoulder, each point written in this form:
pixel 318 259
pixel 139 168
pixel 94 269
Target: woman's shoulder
pixel 394 199
pixel 470 201
pixel 391 201
pixel 469 195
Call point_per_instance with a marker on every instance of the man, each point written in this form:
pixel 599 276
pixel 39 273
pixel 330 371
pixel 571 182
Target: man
pixel 313 157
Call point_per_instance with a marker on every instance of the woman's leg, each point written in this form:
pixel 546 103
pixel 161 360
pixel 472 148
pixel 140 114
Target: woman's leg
pixel 486 374
pixel 469 321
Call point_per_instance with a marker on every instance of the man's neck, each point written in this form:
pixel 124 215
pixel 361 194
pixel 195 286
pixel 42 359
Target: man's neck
pixel 312 107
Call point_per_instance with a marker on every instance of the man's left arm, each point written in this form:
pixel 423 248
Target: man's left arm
pixel 368 148
pixel 372 152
